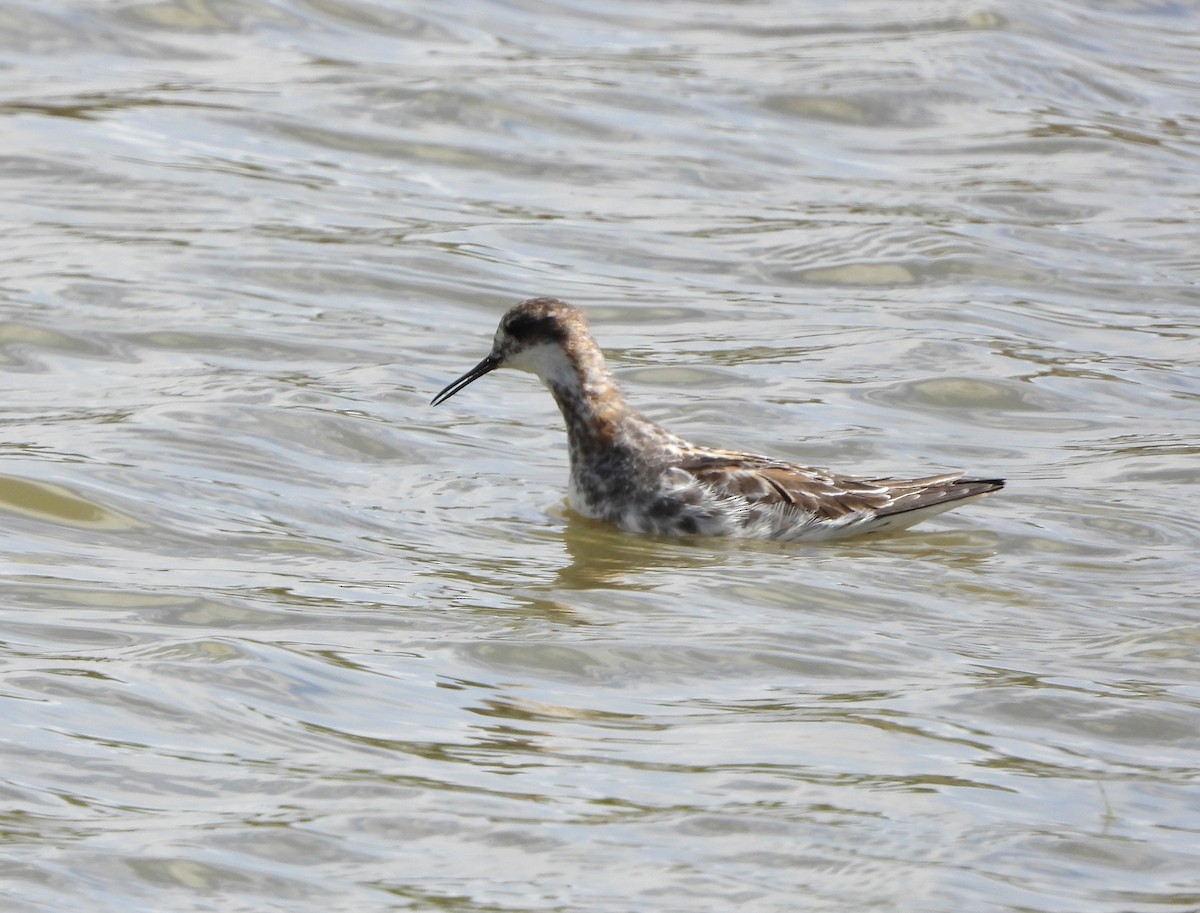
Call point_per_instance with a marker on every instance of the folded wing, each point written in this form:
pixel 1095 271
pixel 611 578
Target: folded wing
pixel 823 494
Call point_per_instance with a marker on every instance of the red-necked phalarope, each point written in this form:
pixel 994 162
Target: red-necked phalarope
pixel 627 470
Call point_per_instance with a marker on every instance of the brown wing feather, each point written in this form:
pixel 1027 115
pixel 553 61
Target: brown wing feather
pixel 916 494
pixel 811 491
pixel 826 494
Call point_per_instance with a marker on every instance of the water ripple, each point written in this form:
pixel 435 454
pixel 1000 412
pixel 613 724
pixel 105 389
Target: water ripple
pixel 275 633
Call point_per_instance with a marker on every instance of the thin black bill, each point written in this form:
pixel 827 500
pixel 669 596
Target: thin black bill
pixel 488 364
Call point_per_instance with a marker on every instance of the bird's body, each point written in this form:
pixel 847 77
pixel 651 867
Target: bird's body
pixel 629 471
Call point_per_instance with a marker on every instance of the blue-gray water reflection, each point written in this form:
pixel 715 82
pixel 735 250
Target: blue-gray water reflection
pixel 276 635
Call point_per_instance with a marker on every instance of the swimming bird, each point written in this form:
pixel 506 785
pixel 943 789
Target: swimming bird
pixel 631 472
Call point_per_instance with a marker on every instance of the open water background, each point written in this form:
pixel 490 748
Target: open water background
pixel 277 636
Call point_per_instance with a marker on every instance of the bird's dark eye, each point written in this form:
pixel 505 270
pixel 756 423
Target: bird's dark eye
pixel 533 328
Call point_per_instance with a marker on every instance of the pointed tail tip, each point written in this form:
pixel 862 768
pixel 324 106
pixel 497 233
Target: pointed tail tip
pixel 977 487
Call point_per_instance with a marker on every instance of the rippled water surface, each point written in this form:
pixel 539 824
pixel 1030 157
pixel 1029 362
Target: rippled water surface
pixel 276 635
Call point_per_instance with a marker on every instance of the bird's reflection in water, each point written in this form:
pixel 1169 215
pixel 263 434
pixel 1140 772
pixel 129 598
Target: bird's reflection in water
pixel 602 556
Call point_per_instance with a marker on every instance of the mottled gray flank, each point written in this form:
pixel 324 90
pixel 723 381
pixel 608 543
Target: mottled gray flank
pixel 627 470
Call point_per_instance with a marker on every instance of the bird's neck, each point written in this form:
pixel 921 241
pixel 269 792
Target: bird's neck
pixel 591 402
